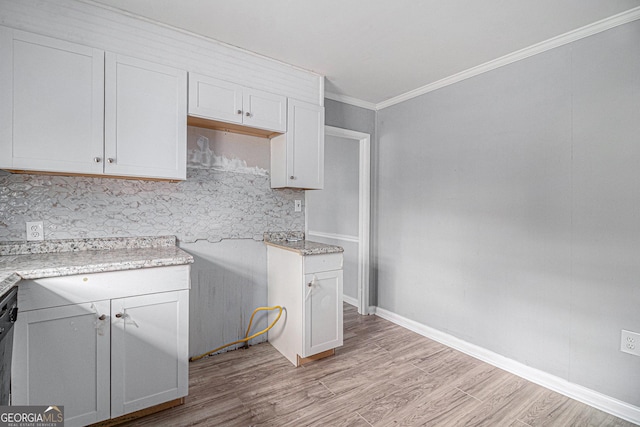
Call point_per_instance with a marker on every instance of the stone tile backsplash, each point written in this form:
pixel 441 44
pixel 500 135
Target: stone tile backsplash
pixel 210 205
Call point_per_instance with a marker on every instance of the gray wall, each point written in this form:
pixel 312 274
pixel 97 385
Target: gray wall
pixel 335 209
pixel 359 119
pixel 218 215
pixel 508 210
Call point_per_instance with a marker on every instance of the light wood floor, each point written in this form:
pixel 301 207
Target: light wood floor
pixel 384 375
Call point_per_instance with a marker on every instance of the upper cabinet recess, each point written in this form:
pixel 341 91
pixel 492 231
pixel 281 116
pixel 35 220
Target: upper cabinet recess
pixel 230 106
pixel 64 108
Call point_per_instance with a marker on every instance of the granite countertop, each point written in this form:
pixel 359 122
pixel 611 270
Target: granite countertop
pixel 295 241
pixel 51 258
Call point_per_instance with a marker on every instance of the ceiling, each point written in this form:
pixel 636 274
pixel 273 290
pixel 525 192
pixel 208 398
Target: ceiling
pixel 374 50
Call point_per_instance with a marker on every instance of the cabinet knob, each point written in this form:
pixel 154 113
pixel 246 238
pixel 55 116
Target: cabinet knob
pixel 104 316
pixel 97 159
pixel 110 160
pixel 239 111
pixel 248 114
pixel 292 177
pixel 119 315
pixel 310 284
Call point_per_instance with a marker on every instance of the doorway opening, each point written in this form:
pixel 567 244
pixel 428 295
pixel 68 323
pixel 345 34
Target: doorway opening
pixel 340 213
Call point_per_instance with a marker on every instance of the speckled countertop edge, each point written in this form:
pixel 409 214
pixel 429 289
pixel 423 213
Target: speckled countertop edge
pixel 294 241
pixel 89 244
pixel 282 236
pixel 83 256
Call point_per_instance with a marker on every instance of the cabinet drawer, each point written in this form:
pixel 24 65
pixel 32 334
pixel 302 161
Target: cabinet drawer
pixel 65 290
pixel 326 262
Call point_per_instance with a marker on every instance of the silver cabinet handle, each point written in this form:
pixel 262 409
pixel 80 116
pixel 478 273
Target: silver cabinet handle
pixel 110 160
pixel 292 177
pixel 248 114
pixel 104 316
pixel 239 111
pixel 119 315
pixel 97 159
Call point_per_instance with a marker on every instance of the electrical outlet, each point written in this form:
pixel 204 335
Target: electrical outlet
pixel 35 230
pixel 298 205
pixel 630 342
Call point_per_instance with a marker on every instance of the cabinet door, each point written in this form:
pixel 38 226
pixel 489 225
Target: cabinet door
pixel 149 339
pixel 145 119
pixel 322 312
pixel 265 110
pixel 51 104
pixel 297 158
pixel 61 357
pixel 215 99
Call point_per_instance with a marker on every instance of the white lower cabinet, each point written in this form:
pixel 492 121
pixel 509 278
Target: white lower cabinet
pixel 322 312
pixel 149 354
pixel 62 357
pixel 105 358
pixel 309 288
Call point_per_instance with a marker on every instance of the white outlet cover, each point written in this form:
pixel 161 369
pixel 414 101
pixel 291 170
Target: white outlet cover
pixel 298 205
pixel 630 342
pixel 35 231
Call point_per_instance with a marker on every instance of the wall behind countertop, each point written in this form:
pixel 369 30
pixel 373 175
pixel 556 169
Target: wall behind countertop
pixel 223 197
pixel 218 214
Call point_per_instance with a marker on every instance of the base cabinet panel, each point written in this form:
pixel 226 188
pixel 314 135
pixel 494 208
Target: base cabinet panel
pixel 150 351
pixel 63 358
pixel 322 312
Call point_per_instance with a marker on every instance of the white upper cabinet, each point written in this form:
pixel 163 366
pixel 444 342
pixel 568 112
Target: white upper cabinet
pixel 51 104
pixel 215 99
pixel 264 110
pixel 145 119
pixel 297 157
pixel 60 111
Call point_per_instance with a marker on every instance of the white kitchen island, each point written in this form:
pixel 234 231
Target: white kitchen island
pixel 305 278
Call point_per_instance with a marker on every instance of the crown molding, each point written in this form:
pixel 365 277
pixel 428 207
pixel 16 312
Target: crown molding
pixel 350 100
pixel 563 39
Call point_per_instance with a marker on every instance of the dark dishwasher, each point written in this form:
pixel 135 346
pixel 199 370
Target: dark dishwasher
pixel 8 315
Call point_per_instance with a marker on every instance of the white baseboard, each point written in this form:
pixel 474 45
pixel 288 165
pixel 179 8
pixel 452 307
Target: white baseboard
pixel 582 394
pixel 350 300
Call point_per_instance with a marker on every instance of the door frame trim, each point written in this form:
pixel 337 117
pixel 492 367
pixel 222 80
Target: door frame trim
pixel 364 211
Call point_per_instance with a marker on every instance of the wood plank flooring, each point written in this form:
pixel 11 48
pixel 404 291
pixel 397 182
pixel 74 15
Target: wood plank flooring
pixel 384 375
